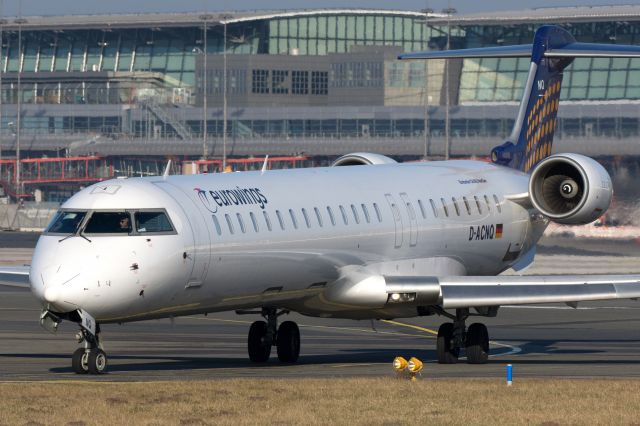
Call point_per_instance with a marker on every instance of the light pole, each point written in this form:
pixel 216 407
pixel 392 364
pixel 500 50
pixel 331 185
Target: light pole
pixel 425 155
pixel 447 127
pixel 205 153
pixel 224 92
pixel 224 100
pixel 2 22
pixel 19 21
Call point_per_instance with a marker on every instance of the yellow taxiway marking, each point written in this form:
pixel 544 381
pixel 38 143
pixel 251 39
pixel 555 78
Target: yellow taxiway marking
pixel 328 327
pixel 417 327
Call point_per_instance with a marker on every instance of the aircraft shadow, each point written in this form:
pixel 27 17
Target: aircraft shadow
pixel 500 355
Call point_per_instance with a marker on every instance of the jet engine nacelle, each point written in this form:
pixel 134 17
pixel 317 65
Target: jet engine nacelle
pixel 570 189
pixel 362 159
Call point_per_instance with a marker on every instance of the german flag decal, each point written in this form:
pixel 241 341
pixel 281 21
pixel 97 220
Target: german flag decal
pixel 499 230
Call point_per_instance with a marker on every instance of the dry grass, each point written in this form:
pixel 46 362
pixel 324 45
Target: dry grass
pixel 380 401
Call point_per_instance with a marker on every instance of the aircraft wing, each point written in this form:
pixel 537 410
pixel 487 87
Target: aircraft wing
pixel 14 276
pixel 468 291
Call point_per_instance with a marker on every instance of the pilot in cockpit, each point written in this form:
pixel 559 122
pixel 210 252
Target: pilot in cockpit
pixel 125 226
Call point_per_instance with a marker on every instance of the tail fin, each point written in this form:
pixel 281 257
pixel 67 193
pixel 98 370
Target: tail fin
pixel 532 135
pixel 553 49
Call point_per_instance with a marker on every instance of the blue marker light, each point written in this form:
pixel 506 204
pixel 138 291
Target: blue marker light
pixel 509 374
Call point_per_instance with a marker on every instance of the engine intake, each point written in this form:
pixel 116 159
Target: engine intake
pixel 570 189
pixel 362 159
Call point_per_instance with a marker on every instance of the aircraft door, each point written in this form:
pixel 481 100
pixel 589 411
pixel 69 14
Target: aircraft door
pixel 199 248
pixel 413 222
pixel 397 219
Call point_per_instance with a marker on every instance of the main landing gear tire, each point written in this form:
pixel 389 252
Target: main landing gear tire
pixel 258 344
pixel 80 361
pixel 288 342
pixel 477 344
pixel 447 351
pixel 97 361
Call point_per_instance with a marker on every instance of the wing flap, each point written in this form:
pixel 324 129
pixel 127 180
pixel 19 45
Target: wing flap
pixel 469 291
pixel 496 295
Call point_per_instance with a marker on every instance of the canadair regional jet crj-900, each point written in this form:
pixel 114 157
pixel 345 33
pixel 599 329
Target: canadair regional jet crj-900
pixel 367 238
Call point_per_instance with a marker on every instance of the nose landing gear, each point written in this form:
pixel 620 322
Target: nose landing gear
pixel 265 334
pixel 90 359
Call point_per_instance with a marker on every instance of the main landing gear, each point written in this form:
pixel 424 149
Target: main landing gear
pixel 265 334
pixel 452 336
pixel 89 359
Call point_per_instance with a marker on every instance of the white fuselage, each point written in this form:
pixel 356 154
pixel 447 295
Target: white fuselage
pixel 230 251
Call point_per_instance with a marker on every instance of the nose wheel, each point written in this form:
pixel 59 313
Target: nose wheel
pixel 89 359
pixel 265 334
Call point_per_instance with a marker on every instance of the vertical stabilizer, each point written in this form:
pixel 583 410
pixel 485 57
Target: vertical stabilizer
pixel 532 135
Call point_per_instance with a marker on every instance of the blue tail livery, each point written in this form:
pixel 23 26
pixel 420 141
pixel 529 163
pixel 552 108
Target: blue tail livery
pixel 553 50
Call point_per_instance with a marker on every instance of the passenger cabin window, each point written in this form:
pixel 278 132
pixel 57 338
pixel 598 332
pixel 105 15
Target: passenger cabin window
pixel 315 209
pixel 344 215
pixel 65 222
pixel 108 223
pixel 267 220
pixel 478 204
pixel 355 213
pixel 444 207
pixel 366 213
pixel 254 221
pixel 229 224
pixel 433 208
pixel 331 217
pixel 293 218
pixel 486 200
pixel 241 222
pixel 466 205
pixel 306 218
pixel 216 224
pixel 412 212
pixel 495 198
pixel 422 210
pixel 378 214
pixel 455 205
pixel 280 220
pixel 149 222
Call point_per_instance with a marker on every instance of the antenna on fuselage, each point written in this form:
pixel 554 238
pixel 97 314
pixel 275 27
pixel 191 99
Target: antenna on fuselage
pixel 167 169
pixel 264 165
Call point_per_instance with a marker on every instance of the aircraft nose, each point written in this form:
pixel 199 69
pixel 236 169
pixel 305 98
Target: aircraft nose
pixel 37 287
pixel 57 273
pixel 58 298
pixel 54 289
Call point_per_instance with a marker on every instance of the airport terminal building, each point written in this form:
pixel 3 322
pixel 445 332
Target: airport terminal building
pixel 315 82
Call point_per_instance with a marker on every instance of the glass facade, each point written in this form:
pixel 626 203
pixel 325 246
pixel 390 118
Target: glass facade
pixel 321 35
pixel 587 79
pixel 148 79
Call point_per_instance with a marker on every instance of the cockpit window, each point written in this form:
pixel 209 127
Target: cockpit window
pixel 108 223
pixel 66 222
pixel 147 222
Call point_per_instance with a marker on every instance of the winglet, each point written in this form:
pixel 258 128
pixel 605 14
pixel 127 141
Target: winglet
pixel 264 165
